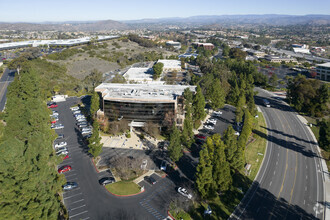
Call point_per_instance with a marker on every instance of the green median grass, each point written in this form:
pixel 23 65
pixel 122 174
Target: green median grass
pixel 255 151
pixel 123 188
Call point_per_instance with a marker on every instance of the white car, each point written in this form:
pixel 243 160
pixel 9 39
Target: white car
pixel 209 127
pixel 60 149
pixel 217 112
pixel 74 108
pixel 237 133
pixel 77 112
pixel 60 144
pixel 81 119
pixel 58 126
pixel 212 121
pixel 86 132
pixel 184 192
pixel 64 152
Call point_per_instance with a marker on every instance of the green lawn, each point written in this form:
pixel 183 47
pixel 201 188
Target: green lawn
pixel 123 188
pixel 258 146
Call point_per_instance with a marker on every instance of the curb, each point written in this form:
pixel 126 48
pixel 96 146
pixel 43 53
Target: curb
pixel 168 213
pixel 95 165
pixel 124 195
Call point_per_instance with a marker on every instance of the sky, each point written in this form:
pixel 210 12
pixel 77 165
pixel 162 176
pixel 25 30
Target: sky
pixel 89 10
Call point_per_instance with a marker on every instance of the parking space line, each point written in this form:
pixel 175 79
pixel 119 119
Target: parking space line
pixel 78 214
pixel 71 190
pixel 77 201
pixel 71 175
pixel 71 179
pixel 77 207
pixel 72 196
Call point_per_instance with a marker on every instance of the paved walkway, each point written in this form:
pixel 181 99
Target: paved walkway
pixel 134 142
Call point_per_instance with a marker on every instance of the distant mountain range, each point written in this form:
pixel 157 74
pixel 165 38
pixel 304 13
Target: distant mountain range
pixel 268 19
pixel 106 25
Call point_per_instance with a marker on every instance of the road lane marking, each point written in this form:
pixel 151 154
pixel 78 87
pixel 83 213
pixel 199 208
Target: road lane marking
pixel 276 162
pixel 274 172
pixel 295 177
pixel 78 214
pixel 270 183
pixel 286 168
pixel 71 191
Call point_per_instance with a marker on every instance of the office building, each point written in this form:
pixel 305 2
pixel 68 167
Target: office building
pixel 323 71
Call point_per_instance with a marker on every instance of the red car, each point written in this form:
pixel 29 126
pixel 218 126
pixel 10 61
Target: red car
pixel 53 121
pixel 66 157
pixel 52 106
pixel 64 169
pixel 200 136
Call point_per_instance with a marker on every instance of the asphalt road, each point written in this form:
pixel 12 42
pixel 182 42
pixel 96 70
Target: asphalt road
pixel 91 200
pixel 289 184
pixel 6 79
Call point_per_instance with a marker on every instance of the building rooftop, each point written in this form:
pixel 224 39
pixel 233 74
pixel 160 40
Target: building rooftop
pixel 324 65
pixel 141 92
pixel 139 74
pixel 171 64
pixel 35 43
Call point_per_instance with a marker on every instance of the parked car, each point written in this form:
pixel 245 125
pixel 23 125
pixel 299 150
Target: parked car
pixel 86 132
pixel 212 121
pixel 61 149
pixel 77 112
pixel 60 144
pixel 150 179
pixel 52 105
pixel 74 108
pixel 199 136
pixel 70 185
pixel 209 127
pixel 60 136
pixel 81 120
pixel 66 157
pixel 57 126
pixel 163 165
pixel 64 152
pixel 106 180
pixel 64 169
pixel 184 192
pixel 217 113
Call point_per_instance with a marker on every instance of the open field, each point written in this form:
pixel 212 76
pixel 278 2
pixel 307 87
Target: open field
pixel 113 57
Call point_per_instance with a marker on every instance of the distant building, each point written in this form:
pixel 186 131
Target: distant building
pixel 62 43
pixel 176 45
pixel 171 65
pixel 188 55
pixel 301 50
pixel 256 53
pixel 302 46
pixel 206 46
pixel 142 102
pixel 323 71
pixel 278 59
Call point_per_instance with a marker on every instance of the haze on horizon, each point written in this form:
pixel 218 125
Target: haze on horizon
pixel 83 10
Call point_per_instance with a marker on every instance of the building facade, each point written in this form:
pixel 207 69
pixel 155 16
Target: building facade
pixel 143 102
pixel 323 71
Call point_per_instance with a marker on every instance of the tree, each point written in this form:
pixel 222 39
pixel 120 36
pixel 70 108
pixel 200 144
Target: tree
pixel 187 133
pixel 204 180
pixel 29 184
pixel 118 79
pixel 324 133
pixel 273 80
pixel 158 69
pixel 230 141
pixel 174 149
pixel 94 78
pixel 95 103
pixel 239 108
pixel 221 170
pixel 199 105
pixel 216 95
pixel 237 53
pixel 95 145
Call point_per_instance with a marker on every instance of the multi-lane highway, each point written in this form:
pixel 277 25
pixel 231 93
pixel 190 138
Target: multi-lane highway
pixel 289 184
pixel 6 79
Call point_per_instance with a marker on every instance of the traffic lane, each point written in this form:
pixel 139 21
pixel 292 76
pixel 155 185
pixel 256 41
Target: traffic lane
pixel 313 190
